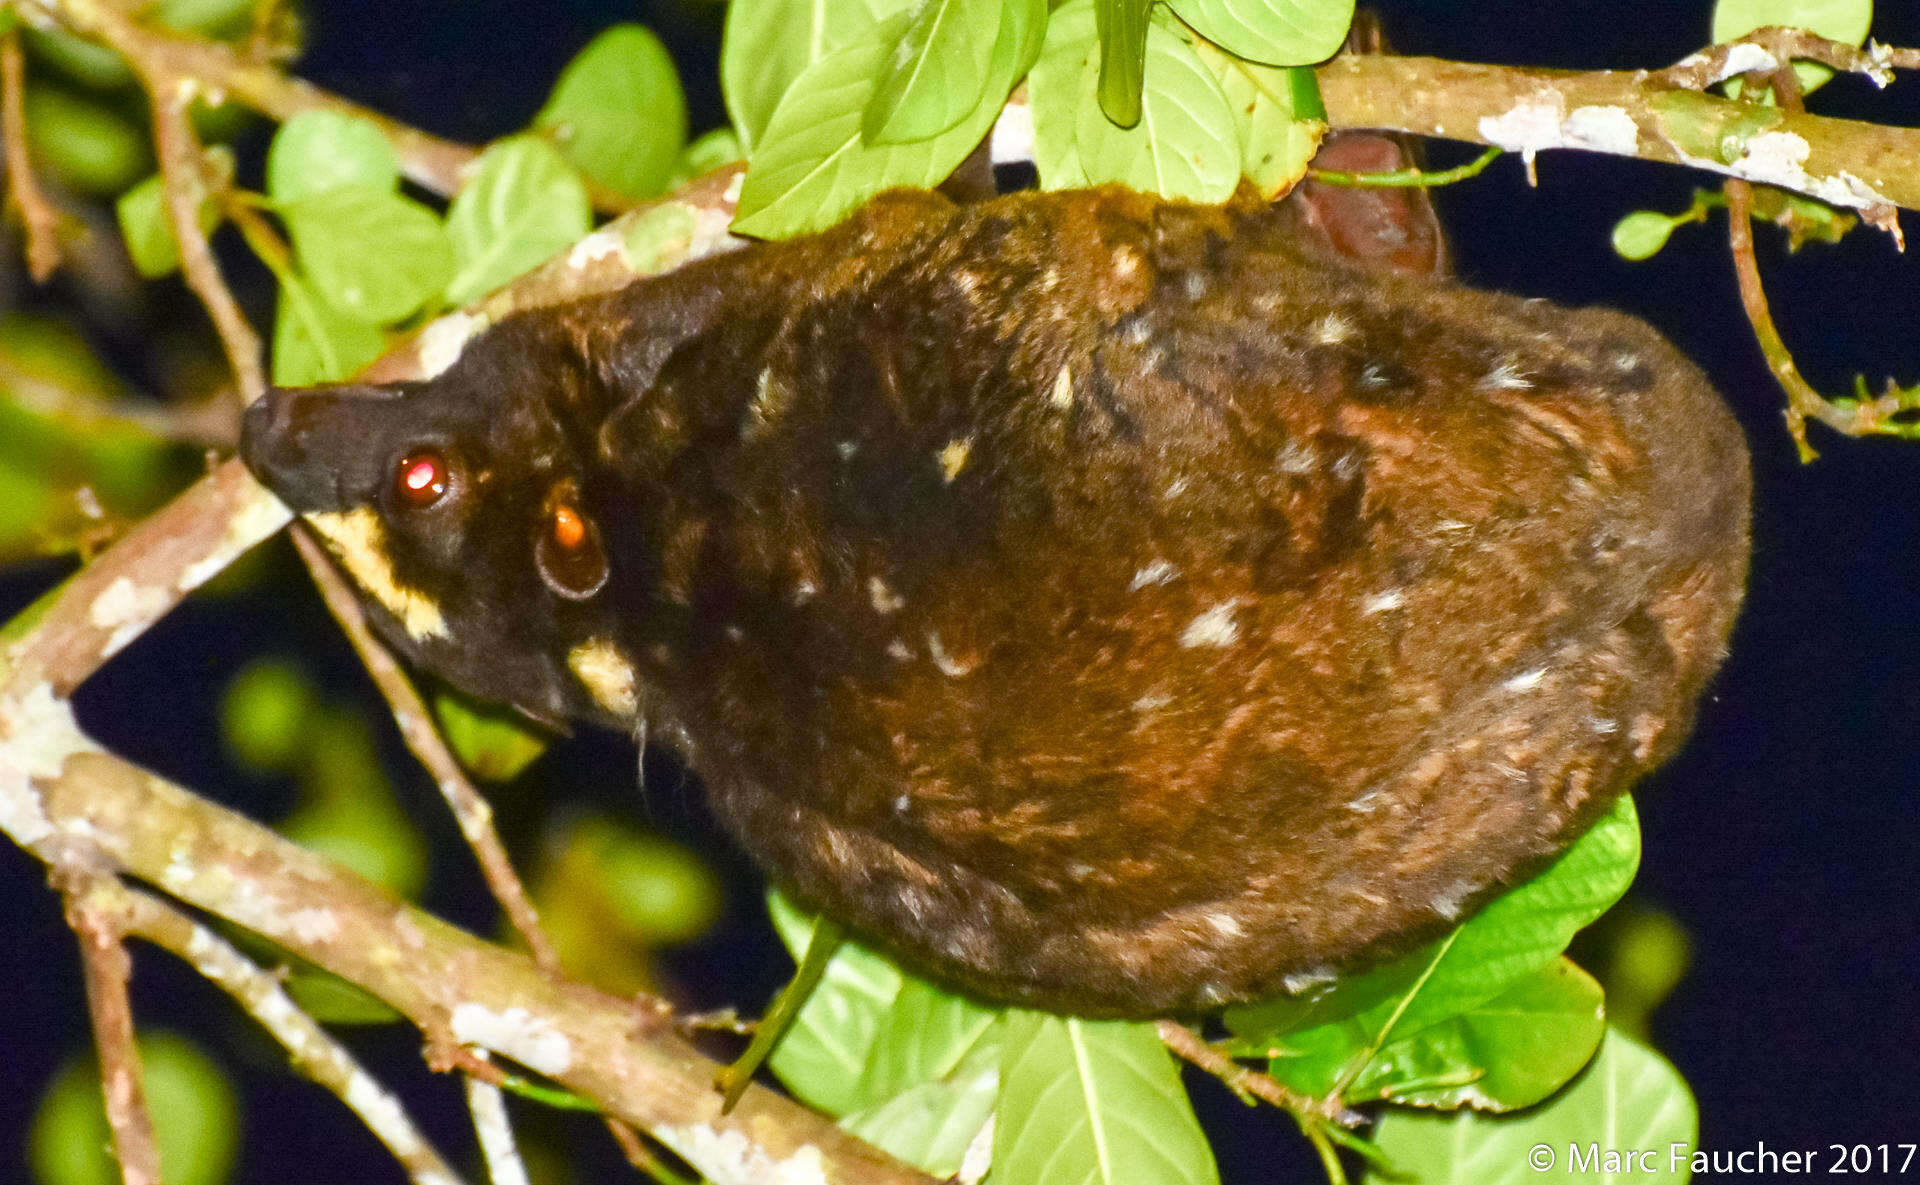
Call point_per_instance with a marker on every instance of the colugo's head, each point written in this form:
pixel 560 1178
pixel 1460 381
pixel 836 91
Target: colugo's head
pixel 466 509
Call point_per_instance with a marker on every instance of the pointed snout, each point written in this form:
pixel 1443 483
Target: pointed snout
pixel 304 443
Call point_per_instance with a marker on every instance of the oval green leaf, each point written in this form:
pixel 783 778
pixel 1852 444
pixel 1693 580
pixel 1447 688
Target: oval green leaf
pixel 1054 93
pixel 1276 139
pixel 1641 234
pixel 812 167
pixel 768 44
pixel 1510 1052
pixel 1277 32
pixel 196 1118
pixel 1093 1103
pixel 371 254
pixel 524 204
pixel 312 343
pixel 1627 1099
pixel 937 73
pixel 496 743
pixel 1185 144
pixel 618 112
pixel 320 150
pixel 145 227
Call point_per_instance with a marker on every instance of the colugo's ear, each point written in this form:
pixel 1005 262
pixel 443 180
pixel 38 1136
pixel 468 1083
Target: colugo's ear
pixel 307 443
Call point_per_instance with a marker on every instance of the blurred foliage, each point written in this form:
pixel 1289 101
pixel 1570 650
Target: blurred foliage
pixel 196 1118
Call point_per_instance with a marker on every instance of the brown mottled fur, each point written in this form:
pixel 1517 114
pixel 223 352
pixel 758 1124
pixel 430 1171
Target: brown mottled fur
pixel 1097 600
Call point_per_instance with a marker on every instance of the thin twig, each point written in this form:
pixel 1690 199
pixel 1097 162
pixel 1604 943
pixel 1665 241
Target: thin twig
pixel 312 1051
pixel 1188 1046
pixel 104 958
pixel 38 218
pixel 1784 45
pixel 470 809
pixel 1860 417
pixel 183 184
pixel 436 164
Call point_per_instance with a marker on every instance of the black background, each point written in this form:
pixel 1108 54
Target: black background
pixel 1782 838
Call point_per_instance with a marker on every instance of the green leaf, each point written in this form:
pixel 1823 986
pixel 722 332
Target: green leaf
pixel 1328 1038
pixel 523 205
pixel 1054 92
pixel 89 144
pixel 933 1123
pixel 937 72
pixel 1510 1052
pixel 371 254
pixel 316 151
pixel 1093 1103
pixel 618 112
pixel 825 1052
pixel 1836 20
pixel 768 44
pixel 144 225
pixel 653 890
pixel 196 1118
pixel 1628 1098
pixel 1641 234
pixel 709 151
pixel 1122 28
pixel 348 812
pixel 1277 112
pixel 496 743
pixel 812 168
pixel 1277 32
pixel 314 344
pixel 1184 145
pixel 926 1033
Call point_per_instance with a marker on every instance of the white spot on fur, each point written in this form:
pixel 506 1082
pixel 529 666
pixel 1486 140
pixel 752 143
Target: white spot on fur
pixel 1382 602
pixel 1175 488
pixel 1505 377
pixel 883 598
pixel 1158 572
pixel 1224 925
pixel 1301 981
pixel 1525 680
pixel 899 651
pixel 1297 458
pixel 953 458
pixel 1216 627
pixel 519 1034
pixel 947 665
pixel 1332 329
pixel 805 591
pixel 606 674
pixel 1062 394
pixel 1449 902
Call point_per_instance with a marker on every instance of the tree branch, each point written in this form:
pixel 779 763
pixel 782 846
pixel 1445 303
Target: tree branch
pixel 103 956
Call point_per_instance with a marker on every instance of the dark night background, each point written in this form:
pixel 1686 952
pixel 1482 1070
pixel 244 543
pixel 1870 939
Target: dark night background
pixel 1782 838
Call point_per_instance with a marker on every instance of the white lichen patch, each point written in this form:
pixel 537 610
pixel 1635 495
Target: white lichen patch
pixel 606 674
pixel 953 458
pixel 1156 573
pixel 124 609
pixel 440 344
pixel 314 924
pixel 37 735
pixel 1743 59
pixel 260 516
pixel 1602 128
pixel 730 1158
pixel 1528 126
pixel 601 244
pixel 1216 627
pixel 358 539
pixel 528 1039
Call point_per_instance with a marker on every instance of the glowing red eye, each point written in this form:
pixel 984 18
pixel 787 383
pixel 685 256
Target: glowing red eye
pixel 421 479
pixel 569 529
